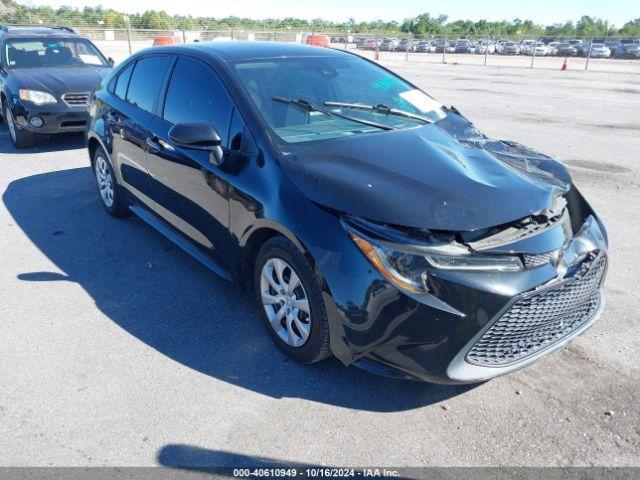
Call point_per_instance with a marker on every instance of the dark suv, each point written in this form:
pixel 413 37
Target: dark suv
pixel 46 76
pixel 370 221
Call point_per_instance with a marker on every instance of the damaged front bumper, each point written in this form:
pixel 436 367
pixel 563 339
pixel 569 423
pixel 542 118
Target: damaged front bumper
pixel 470 326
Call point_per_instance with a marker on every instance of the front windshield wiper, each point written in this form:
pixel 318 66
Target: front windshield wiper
pixel 311 107
pixel 382 109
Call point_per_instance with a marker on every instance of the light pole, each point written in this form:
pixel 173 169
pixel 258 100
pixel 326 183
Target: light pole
pixel 126 21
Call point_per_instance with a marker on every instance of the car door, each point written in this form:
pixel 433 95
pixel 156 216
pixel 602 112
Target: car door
pixel 189 189
pixel 131 113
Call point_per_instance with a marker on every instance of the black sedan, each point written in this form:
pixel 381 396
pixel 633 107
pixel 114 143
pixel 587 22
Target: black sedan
pixel 46 76
pixel 369 221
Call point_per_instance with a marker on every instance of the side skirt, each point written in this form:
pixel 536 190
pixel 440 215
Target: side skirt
pixel 180 241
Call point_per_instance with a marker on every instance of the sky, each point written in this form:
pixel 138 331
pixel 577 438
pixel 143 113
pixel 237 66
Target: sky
pixel 545 12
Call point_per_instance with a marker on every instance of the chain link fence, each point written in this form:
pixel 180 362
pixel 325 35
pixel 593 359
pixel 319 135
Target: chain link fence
pixel 609 53
pixel 613 54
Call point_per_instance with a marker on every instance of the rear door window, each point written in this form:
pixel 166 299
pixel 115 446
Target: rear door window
pixel 146 82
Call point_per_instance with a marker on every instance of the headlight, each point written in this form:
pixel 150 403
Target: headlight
pixel 37 97
pixel 408 267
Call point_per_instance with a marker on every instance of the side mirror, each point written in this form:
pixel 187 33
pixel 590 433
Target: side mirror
pixel 111 61
pixel 198 136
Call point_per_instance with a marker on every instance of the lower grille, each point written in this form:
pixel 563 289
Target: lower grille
pixel 539 320
pixel 76 99
pixel 74 123
pixel 535 261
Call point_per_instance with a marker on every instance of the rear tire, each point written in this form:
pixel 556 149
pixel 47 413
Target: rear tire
pixel 107 183
pixel 291 302
pixel 19 137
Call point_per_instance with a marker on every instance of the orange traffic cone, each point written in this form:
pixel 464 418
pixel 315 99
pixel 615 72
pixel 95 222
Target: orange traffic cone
pixel 565 65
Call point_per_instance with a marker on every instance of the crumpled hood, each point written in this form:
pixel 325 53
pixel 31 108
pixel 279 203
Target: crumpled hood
pixel 59 81
pixel 446 176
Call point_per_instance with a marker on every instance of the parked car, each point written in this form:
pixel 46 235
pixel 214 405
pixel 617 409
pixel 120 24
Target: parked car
pixel 318 40
pixel 526 47
pixel 578 45
pixel 46 76
pixel 553 48
pixel 405 45
pixel 484 45
pixel 423 46
pixel 612 45
pixel 500 46
pixel 370 44
pixel 510 48
pixel 598 50
pixel 440 46
pixel 457 261
pixel 620 50
pixel 629 49
pixel 388 44
pixel 566 50
pixel 540 50
pixel 360 42
pixel 462 46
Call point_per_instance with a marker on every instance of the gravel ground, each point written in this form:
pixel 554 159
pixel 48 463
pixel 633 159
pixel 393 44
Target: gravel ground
pixel 118 349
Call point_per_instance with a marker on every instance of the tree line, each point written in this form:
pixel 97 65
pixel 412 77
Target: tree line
pixel 423 25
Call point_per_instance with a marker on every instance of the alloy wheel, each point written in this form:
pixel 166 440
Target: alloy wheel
pixel 285 302
pixel 8 118
pixel 105 181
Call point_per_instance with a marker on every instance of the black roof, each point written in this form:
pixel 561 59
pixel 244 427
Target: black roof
pixel 37 31
pixel 233 51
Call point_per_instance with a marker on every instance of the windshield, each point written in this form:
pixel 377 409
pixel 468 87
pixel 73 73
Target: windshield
pixel 318 80
pixel 52 52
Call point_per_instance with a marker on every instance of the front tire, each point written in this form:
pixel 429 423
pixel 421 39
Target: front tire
pixel 108 187
pixel 290 300
pixel 19 137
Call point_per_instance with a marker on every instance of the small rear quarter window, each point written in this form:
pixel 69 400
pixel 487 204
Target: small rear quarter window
pixel 122 82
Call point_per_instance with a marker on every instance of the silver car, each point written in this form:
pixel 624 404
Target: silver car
pixel 599 50
pixel 511 48
pixel 388 45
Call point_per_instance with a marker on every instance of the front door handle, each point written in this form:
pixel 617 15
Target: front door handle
pixel 152 145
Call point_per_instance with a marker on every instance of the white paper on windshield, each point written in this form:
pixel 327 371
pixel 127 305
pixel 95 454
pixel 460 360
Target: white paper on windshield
pixel 90 59
pixel 421 100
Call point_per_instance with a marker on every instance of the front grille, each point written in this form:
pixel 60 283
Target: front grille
pixel 539 320
pixel 76 99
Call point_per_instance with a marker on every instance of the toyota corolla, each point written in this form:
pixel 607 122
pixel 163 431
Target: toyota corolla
pixel 370 221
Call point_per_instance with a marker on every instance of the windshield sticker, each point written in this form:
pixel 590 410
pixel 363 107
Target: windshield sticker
pixel 90 59
pixel 421 100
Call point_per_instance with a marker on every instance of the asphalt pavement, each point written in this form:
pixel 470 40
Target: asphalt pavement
pixel 120 350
